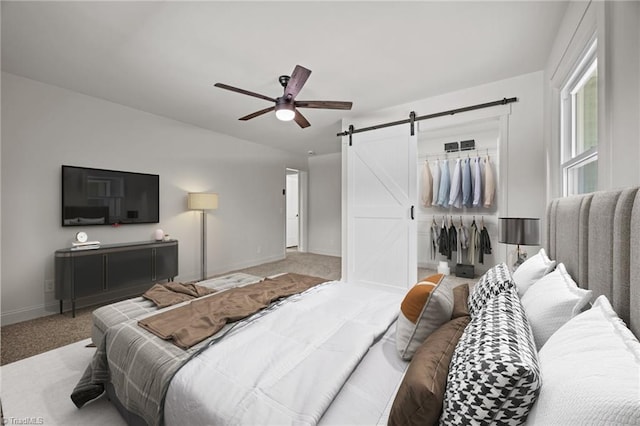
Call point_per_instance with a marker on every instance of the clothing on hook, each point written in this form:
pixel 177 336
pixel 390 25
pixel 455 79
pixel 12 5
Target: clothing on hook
pixel 463 241
pixel 435 239
pixel 489 183
pixel 445 183
pixel 436 182
pixel 474 242
pixel 427 185
pixel 467 190
pixel 455 194
pixel 453 241
pixel 477 183
pixel 485 244
pixel 443 238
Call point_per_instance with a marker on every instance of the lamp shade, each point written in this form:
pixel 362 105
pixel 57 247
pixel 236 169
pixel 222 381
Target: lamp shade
pixel 520 230
pixel 202 201
pixel 285 110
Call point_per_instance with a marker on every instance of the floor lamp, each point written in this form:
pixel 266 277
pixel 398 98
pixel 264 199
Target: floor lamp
pixel 203 201
pixel 520 231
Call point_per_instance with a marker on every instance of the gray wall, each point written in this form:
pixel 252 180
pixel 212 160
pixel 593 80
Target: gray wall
pixel 325 201
pixel 44 127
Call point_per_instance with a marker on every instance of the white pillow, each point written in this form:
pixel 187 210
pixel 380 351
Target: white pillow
pixel 552 301
pixel 591 371
pixel 534 268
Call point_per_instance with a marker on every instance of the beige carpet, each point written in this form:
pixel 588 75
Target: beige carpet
pixel 29 338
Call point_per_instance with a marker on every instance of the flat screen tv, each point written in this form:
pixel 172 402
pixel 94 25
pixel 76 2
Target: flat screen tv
pixel 108 197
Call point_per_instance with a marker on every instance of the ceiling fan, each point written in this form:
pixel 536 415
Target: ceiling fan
pixel 286 107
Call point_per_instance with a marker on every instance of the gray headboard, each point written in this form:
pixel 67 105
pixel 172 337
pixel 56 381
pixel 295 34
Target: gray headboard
pixel 597 237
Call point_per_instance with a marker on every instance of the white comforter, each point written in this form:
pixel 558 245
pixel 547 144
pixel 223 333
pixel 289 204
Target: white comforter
pixel 286 366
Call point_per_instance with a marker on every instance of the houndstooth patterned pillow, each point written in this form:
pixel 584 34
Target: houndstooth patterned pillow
pixel 494 375
pixel 493 282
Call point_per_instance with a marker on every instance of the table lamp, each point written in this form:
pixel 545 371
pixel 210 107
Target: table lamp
pixel 519 231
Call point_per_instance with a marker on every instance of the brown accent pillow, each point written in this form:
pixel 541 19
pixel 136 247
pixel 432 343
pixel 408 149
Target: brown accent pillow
pixel 419 398
pixel 460 301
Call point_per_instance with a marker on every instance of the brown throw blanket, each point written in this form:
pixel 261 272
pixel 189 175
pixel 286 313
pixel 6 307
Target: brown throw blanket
pixel 171 293
pixel 187 325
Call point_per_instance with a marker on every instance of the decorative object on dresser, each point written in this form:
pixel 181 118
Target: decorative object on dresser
pixel 203 201
pixel 81 242
pixel 112 268
pixel 519 231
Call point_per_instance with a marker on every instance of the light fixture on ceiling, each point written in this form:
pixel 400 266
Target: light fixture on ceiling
pixel 285 109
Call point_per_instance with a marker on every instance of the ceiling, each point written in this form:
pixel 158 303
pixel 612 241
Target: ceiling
pixel 164 57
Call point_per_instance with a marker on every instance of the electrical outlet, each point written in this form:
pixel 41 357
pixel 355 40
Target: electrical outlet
pixel 259 249
pixel 48 286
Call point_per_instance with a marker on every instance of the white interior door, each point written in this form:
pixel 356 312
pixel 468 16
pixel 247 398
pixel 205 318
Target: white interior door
pixel 293 213
pixel 381 194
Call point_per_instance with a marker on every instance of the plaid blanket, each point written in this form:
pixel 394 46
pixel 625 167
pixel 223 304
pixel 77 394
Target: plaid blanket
pixel 139 307
pixel 140 366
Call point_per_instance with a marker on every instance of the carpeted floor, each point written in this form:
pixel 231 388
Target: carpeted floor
pixel 28 338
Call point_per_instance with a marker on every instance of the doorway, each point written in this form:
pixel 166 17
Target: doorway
pixel 292 192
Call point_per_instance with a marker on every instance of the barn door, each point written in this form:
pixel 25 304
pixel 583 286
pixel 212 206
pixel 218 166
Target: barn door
pixel 381 194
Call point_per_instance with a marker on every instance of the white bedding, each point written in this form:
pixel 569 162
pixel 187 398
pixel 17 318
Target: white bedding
pixel 287 366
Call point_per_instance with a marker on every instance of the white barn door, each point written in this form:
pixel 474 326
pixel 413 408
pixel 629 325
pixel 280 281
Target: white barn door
pixel 381 198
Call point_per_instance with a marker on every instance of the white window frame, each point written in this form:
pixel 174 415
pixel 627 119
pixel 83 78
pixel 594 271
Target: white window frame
pixel 569 159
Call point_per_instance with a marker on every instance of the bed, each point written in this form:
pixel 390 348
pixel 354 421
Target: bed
pixel 556 360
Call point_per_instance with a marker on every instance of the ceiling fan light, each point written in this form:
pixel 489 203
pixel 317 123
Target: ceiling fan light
pixel 285 112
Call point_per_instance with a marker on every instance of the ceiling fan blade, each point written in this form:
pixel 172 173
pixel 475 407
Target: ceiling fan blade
pixel 297 80
pixel 244 92
pixel 302 122
pixel 257 113
pixel 324 104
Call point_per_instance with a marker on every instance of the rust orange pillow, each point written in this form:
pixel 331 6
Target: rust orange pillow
pixel 426 306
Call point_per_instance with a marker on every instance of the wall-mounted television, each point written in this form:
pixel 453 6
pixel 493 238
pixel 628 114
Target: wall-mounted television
pixel 108 197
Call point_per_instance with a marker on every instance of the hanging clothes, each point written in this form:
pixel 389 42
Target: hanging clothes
pixel 489 183
pixel 477 183
pixel 427 185
pixel 435 239
pixel 436 182
pixel 485 244
pixel 467 189
pixel 474 242
pixel 445 184
pixel 443 245
pixel 463 241
pixel 453 240
pixel 455 194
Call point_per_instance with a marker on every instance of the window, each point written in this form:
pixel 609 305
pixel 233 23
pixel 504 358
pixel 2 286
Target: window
pixel 579 124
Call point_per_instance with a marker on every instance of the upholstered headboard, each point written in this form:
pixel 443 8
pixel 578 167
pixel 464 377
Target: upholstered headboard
pixel 597 237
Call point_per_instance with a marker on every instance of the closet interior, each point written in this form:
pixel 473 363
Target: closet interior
pixel 458 193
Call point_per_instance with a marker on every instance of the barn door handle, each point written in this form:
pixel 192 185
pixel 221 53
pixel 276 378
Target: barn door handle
pixel 412 217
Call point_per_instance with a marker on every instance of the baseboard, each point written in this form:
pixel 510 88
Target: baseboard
pixel 325 251
pixel 53 307
pixel 246 264
pixel 28 313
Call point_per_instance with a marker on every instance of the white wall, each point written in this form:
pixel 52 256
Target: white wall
pixel 44 127
pixel 325 201
pixel 617 26
pixel 522 186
